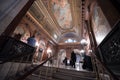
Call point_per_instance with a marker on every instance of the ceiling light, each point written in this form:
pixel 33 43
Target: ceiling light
pixel 83 42
pixel 55 36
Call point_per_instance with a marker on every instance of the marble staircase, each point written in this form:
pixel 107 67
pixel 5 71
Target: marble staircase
pixel 53 73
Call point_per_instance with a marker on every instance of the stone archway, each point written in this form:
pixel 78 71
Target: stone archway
pixel 41 50
pixel 61 56
pixel 79 55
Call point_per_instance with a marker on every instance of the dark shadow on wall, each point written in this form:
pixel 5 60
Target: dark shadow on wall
pixel 116 3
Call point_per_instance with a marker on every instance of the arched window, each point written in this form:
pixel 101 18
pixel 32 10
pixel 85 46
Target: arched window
pixel 70 40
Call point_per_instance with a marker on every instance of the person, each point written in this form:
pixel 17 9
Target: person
pixel 73 59
pixel 65 61
pixel 87 63
pixel 31 41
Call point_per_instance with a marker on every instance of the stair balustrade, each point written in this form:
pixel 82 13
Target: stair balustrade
pixel 101 70
pixel 33 69
pixel 15 50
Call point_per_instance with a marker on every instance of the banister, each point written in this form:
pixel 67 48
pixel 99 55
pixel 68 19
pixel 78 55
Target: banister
pixel 109 51
pixel 106 68
pixel 34 69
pixel 12 49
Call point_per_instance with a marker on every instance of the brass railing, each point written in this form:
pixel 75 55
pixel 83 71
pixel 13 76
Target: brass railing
pixel 102 72
pixel 33 69
pixel 106 56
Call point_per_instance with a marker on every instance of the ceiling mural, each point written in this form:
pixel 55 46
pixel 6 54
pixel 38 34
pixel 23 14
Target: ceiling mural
pixel 62 13
pixel 58 17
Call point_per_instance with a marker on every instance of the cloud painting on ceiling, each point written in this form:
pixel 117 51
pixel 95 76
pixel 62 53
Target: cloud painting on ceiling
pixel 62 13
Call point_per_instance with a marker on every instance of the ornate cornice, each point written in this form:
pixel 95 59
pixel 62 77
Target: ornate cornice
pixel 47 15
pixel 39 27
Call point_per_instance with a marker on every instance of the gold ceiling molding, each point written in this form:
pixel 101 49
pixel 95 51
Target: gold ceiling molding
pixel 45 12
pixel 77 15
pixel 69 44
pixel 48 7
pixel 66 31
pixel 37 14
pixel 38 10
pixel 41 27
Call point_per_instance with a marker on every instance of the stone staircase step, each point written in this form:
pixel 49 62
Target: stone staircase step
pixel 4 70
pixel 9 70
pixel 12 70
pixel 37 77
pixel 63 76
pixel 77 73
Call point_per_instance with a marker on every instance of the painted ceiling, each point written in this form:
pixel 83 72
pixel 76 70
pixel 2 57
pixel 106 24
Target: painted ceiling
pixel 62 12
pixel 59 17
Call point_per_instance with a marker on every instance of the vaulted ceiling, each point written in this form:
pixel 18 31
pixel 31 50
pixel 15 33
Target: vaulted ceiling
pixel 62 19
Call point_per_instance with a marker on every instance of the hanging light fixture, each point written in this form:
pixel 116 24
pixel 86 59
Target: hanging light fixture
pixel 82 51
pixel 90 51
pixel 83 42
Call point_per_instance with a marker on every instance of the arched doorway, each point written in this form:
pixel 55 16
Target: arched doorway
pixel 61 56
pixel 41 51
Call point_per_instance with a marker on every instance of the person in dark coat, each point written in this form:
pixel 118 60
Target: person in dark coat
pixel 73 59
pixel 65 61
pixel 87 63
